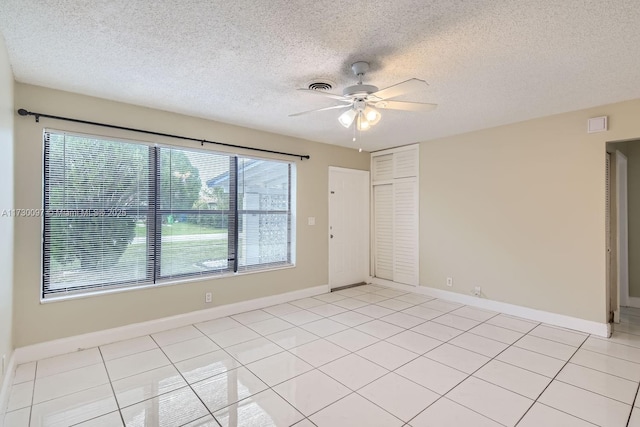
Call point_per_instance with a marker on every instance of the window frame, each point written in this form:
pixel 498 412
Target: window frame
pixel 154 215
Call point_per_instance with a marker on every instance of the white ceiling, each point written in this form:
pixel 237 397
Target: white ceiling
pixel 488 62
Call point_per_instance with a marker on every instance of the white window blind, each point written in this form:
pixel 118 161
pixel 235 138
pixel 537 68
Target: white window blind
pixel 96 192
pixel 194 214
pixel 126 214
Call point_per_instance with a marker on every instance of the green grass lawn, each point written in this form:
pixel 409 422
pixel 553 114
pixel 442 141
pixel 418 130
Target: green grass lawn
pixel 177 258
pixel 180 229
pixel 202 254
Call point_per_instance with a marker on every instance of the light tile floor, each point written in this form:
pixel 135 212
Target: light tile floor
pixel 366 356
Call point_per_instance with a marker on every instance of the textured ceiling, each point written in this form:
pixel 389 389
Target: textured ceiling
pixel 487 62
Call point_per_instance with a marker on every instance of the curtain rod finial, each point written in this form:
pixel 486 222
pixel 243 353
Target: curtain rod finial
pixel 23 112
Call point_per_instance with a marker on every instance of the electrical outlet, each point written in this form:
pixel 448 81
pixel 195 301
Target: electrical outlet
pixel 477 291
pixel 449 281
pixel 207 297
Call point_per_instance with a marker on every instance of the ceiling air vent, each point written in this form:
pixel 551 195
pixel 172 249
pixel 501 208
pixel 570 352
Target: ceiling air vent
pixel 320 85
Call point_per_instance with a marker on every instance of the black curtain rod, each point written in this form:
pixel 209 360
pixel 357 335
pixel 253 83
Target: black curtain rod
pixel 24 112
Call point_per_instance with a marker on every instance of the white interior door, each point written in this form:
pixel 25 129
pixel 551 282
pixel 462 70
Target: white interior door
pixel 622 235
pixel 348 226
pixel 613 296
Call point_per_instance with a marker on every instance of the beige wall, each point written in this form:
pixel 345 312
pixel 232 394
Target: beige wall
pixel 6 203
pixel 36 322
pixel 520 211
pixel 633 201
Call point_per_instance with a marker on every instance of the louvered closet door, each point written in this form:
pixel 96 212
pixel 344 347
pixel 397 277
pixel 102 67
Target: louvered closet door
pixel 405 164
pixel 405 231
pixel 383 234
pixel 382 168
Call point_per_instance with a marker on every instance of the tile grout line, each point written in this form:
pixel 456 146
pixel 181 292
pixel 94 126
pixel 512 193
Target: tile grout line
pixel 350 327
pixel 269 387
pixel 551 382
pixel 420 355
pixel 113 390
pixel 348 388
pixel 467 377
pixel 441 396
pixel 611 355
pixel 537 352
pixel 605 372
pixel 591 391
pixel 351 391
pixel 495 358
pixel 350 353
pixel 483 365
pixel 35 377
pixel 404 329
pixel 186 382
pixel 325 317
pixel 566 413
pixel 633 405
pixel 618 343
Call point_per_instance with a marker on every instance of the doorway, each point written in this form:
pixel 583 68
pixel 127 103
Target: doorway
pixel 348 226
pixel 623 226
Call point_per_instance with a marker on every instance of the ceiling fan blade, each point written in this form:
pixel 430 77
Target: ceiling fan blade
pixel 405 106
pixel 333 107
pixel 411 85
pixel 326 94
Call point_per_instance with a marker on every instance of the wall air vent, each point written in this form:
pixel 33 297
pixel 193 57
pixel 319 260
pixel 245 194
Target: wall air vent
pixel 597 124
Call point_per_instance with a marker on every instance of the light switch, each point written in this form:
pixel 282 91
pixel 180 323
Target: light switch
pixel 312 220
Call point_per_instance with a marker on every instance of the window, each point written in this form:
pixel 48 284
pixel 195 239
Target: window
pixel 122 214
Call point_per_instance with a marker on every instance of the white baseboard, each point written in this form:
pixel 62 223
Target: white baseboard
pixel 634 302
pixel 569 322
pixel 93 339
pixel 10 370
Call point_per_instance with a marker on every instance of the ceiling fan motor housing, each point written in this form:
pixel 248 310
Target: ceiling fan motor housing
pixel 360 67
pixel 359 105
pixel 359 90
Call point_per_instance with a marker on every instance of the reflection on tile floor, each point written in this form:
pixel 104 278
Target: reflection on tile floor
pixel 366 356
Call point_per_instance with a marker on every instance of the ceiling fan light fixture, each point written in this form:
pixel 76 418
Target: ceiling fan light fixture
pixel 372 115
pixel 346 119
pixel 362 103
pixel 362 123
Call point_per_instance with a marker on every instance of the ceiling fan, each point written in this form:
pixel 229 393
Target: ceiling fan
pixel 362 102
